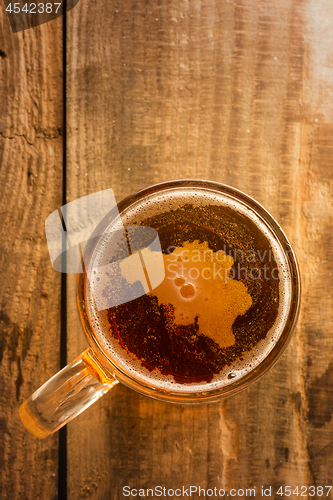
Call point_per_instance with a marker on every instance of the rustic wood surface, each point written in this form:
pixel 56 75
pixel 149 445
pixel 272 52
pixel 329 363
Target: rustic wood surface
pixel 236 91
pixel 31 161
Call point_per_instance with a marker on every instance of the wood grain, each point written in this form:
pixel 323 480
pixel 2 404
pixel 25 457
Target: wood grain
pixel 31 184
pixel 239 92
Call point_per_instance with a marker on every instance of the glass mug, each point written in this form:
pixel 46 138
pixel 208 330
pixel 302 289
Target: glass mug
pixel 220 316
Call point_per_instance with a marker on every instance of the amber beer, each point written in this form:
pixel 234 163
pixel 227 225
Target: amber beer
pixel 190 292
pixel 224 304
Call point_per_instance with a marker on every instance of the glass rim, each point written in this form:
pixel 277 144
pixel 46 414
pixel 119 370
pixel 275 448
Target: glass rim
pixel 258 371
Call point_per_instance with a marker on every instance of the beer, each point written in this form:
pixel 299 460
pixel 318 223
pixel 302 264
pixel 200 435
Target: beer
pixel 222 305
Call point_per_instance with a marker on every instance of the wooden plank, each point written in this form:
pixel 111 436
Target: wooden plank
pixel 317 228
pixel 31 188
pixel 238 92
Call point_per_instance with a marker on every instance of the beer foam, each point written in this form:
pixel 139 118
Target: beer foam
pixel 156 204
pixel 198 283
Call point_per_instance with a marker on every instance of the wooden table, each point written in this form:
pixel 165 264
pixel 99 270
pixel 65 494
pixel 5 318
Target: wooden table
pixel 235 91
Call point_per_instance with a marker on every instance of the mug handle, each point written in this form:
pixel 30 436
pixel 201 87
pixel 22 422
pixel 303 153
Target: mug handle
pixel 66 394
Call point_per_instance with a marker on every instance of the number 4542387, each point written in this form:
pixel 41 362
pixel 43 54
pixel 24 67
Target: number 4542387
pixel 33 8
pixel 304 491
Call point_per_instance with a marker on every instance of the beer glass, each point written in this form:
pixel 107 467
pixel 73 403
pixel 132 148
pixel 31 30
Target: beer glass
pixel 191 217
